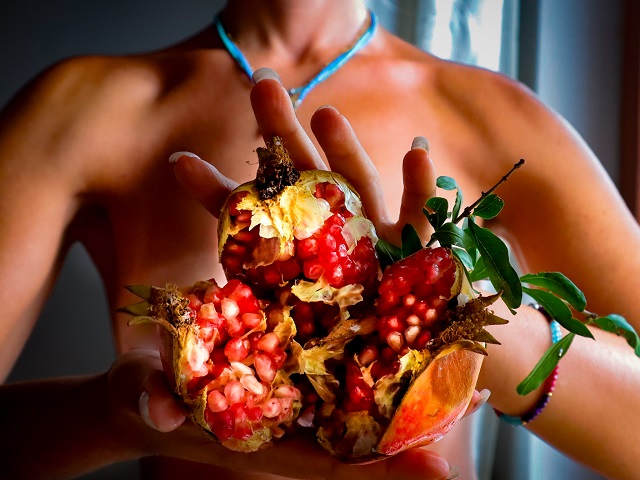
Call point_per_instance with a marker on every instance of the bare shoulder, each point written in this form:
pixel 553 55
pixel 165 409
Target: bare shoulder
pixel 78 110
pixel 486 109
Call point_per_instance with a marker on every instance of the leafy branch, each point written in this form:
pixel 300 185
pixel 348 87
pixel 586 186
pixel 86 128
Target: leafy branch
pixel 486 257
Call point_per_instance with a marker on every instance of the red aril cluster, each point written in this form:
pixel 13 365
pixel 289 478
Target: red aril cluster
pixel 231 358
pixel 329 254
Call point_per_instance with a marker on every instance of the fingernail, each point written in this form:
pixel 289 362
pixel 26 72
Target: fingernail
pixel 175 156
pixel 453 473
pixel 264 73
pixel 420 142
pixel 143 407
pixel 484 396
pixel 322 107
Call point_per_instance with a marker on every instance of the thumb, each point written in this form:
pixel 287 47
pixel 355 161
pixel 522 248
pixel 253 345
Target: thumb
pixel 158 407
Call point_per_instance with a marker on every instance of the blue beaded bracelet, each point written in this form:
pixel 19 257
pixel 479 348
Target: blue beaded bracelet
pixel 556 336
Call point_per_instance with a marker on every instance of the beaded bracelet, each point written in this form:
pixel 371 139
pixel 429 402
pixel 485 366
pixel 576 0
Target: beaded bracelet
pixel 550 383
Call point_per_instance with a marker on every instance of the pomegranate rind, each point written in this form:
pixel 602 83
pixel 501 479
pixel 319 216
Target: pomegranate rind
pixel 427 395
pixel 434 403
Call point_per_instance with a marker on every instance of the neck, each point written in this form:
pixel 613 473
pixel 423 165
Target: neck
pixel 293 30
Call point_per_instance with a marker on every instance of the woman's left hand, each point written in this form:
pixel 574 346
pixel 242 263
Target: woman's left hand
pixel 344 154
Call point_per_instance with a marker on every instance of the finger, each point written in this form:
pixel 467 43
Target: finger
pixel 207 185
pixel 304 458
pixel 276 117
pixel 347 157
pixel 158 407
pixel 419 177
pixel 413 463
pixel 477 400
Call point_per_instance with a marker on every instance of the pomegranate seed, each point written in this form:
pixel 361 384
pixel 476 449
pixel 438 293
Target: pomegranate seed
pixel 216 401
pixel 264 367
pixel 251 384
pixel 334 275
pixel 334 195
pixel 235 327
pixel 253 338
pixel 278 357
pixel 306 328
pixel 207 312
pixel 221 424
pixel 413 320
pixel 271 408
pixel 271 275
pixel 251 320
pixel 395 341
pixel 411 333
pixel 422 340
pixel 234 392
pixel 231 263
pixel 237 349
pixel 240 369
pixel 327 243
pixel 244 217
pixel 287 405
pixel 254 414
pixel 388 355
pixel 234 248
pixel 336 219
pixel 409 300
pixel 269 342
pixel 312 269
pixel 432 273
pixel 287 391
pixel 194 302
pixel 246 236
pixel 229 308
pixel 307 248
pixel 290 269
pixel 368 355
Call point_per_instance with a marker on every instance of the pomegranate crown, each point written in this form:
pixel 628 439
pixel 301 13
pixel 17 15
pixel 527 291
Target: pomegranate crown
pixel 275 170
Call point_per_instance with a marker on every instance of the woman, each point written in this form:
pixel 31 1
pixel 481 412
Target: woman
pixel 83 152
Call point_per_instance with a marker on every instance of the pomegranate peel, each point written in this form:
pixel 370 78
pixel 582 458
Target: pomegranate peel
pixel 305 229
pixel 226 393
pixel 430 388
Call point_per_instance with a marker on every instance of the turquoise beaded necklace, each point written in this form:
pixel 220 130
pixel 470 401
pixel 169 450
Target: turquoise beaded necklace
pixel 298 94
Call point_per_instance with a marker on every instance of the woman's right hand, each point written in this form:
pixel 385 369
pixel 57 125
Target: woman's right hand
pixel 149 418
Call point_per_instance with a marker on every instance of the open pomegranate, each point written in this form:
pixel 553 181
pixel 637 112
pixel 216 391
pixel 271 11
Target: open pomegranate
pixel 308 333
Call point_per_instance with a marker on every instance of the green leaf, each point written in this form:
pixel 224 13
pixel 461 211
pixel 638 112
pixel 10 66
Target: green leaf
pixel 496 260
pixel 450 234
pixel 545 365
pixel 489 207
pixel 479 271
pixel 559 311
pixel 558 284
pixel 436 210
pixel 448 183
pixel 387 253
pixel 618 324
pixel 411 242
pixel 464 257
